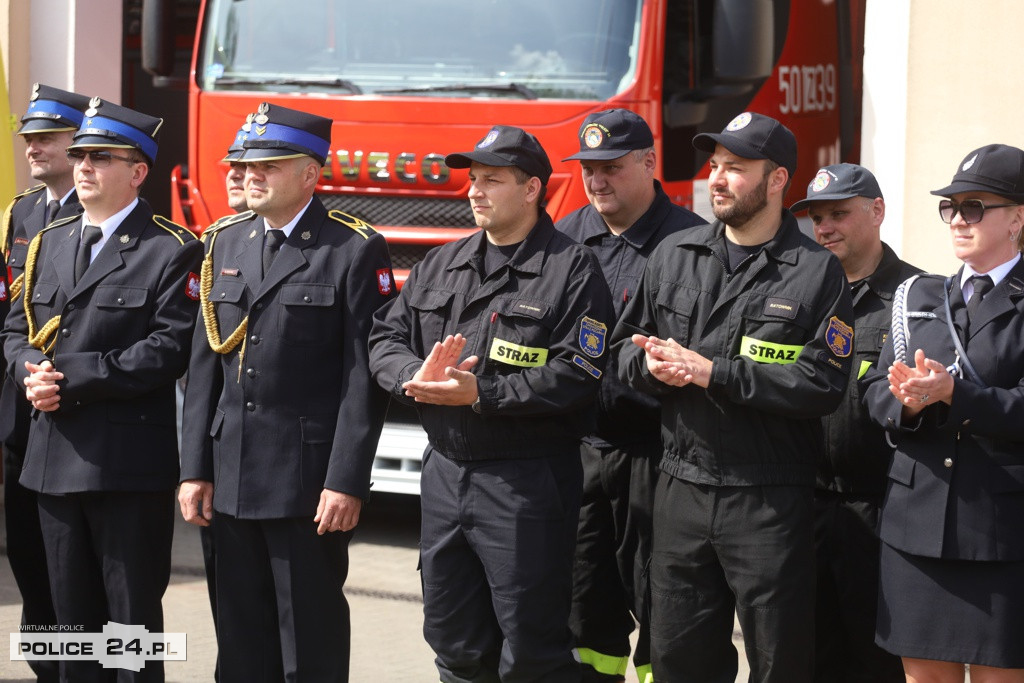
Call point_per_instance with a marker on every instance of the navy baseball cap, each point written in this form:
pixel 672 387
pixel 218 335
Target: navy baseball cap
pixel 51 110
pixel 754 136
pixel 998 169
pixel 111 125
pixel 277 132
pixel 506 146
pixel 610 134
pixel 837 182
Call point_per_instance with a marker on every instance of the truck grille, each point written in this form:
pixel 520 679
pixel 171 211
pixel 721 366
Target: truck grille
pixel 426 212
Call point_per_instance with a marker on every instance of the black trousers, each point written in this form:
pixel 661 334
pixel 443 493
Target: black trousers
pixel 281 609
pixel 496 550
pixel 720 551
pixel 613 546
pixel 109 556
pixel 27 556
pixel 847 553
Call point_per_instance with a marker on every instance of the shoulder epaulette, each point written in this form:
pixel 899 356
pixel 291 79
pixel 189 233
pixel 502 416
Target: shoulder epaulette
pixel 31 190
pixel 225 221
pixel 357 224
pixel 59 222
pixel 180 232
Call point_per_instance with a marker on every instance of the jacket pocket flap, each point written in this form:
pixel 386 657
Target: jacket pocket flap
pixel 228 290
pixel 307 294
pixel 677 298
pixel 216 422
pixel 429 300
pixel 19 252
pixel 117 296
pixel 518 308
pixel 316 430
pixel 43 292
pixel 902 468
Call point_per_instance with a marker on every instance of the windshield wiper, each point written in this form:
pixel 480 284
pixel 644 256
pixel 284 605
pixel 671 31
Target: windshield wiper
pixel 335 82
pixel 518 88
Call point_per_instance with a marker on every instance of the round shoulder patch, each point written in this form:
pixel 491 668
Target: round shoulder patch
pixel 489 139
pixel 740 122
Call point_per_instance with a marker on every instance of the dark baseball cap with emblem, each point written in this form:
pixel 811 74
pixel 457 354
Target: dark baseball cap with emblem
pixel 998 169
pixel 277 132
pixel 837 182
pixel 52 110
pixel 754 136
pixel 111 125
pixel 612 133
pixel 506 146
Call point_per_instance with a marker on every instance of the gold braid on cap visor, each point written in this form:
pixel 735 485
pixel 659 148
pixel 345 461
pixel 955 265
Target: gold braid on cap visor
pixel 210 314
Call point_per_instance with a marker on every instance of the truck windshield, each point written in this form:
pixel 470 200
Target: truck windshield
pixel 519 49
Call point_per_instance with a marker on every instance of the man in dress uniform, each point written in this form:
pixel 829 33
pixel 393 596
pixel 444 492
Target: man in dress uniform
pixel 742 328
pixel 47 128
pixel 276 458
pixel 628 216
pixel 501 476
pixel 101 336
pixel 845 205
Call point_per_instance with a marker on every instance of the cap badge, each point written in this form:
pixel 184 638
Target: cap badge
pixel 247 126
pixel 488 139
pixel 593 136
pixel 124 239
pixel 260 130
pixel 35 93
pixel 820 181
pixel 969 163
pixel 94 104
pixel 261 116
pixel 740 122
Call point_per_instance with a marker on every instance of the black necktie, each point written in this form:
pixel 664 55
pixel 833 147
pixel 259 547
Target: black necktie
pixel 52 207
pixel 982 285
pixel 271 245
pixel 90 235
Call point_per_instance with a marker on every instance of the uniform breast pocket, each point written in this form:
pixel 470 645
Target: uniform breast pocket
pixel 432 310
pixel 308 316
pixel 228 297
pixel 521 335
pixel 114 298
pixel 775 330
pixel 19 252
pixel 43 296
pixel 676 305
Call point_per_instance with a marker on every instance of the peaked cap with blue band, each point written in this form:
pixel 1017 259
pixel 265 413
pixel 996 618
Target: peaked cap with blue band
pixel 280 133
pixel 235 150
pixel 111 125
pixel 51 110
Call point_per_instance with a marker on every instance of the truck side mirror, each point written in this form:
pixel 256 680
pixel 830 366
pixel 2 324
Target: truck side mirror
pixel 158 37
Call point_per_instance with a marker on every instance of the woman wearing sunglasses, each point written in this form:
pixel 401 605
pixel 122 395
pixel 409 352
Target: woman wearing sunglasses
pixel 952 523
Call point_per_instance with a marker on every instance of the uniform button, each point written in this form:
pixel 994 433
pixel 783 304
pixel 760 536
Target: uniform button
pixel 308 299
pixel 948 462
pixel 120 301
pixel 250 406
pixel 251 372
pixel 967 422
pixel 65 333
pixel 223 294
pixel 142 418
pixel 71 307
pixel 259 306
pixel 892 421
pixel 255 339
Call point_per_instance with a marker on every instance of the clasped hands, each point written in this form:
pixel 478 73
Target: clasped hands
pixel 673 364
pixel 41 387
pixel 442 380
pixel 925 383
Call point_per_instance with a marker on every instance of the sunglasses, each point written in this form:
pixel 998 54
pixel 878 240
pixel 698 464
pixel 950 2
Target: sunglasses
pixel 98 158
pixel 971 210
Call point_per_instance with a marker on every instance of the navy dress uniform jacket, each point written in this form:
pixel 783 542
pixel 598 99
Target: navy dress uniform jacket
pixel 527 323
pixel 24 218
pixel 777 331
pixel 123 340
pixel 956 482
pixel 301 413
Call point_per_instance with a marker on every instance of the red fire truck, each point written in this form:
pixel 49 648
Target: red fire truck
pixel 408 81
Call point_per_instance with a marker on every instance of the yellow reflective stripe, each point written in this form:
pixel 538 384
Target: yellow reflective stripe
pixel 769 352
pixel 864 365
pixel 644 674
pixel 514 354
pixel 604 664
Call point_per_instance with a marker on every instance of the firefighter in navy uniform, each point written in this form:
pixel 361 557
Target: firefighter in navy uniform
pixel 47 128
pixel 845 204
pixel 281 416
pixel 501 477
pixel 102 332
pixel 742 329
pixel 627 217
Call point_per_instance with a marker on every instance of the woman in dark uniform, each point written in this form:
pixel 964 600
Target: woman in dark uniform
pixel 952 524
